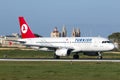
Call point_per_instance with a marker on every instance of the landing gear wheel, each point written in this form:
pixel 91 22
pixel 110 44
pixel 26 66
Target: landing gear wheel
pixel 56 57
pixel 76 56
pixel 100 57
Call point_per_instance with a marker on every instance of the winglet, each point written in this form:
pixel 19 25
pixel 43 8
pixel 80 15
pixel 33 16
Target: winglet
pixel 25 29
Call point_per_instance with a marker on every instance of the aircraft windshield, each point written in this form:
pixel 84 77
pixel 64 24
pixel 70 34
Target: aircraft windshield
pixel 106 42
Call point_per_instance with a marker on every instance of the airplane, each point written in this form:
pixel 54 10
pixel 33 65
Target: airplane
pixel 64 46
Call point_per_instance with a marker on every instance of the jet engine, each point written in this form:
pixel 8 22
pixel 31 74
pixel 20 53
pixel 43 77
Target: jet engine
pixel 62 52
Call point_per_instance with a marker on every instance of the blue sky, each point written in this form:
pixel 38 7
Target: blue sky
pixel 93 17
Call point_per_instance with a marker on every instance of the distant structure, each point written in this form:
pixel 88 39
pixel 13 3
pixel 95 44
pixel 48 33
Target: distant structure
pixel 64 32
pixel 55 33
pixel 10 40
pixel 76 32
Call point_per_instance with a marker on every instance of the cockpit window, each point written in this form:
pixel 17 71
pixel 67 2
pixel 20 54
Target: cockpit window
pixel 106 42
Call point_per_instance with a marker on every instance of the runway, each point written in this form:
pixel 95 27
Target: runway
pixel 60 60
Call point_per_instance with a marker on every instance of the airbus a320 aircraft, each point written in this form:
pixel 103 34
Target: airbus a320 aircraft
pixel 64 46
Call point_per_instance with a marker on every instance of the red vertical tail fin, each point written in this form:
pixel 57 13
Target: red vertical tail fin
pixel 25 29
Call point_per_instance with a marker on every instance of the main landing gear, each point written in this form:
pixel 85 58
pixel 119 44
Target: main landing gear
pixel 76 56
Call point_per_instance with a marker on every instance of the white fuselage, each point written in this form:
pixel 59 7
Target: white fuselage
pixel 77 44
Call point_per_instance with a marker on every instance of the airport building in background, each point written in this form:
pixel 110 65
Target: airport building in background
pixel 10 40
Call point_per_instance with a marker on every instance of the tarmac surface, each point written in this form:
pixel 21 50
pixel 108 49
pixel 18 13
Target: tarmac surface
pixel 63 60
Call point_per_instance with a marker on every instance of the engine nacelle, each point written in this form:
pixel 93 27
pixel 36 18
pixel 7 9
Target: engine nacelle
pixel 62 52
pixel 91 53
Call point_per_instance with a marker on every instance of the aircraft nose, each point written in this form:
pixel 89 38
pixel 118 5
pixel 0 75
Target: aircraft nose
pixel 112 46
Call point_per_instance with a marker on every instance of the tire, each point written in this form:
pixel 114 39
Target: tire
pixel 76 56
pixel 100 57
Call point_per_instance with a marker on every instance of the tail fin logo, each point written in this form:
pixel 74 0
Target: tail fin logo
pixel 24 28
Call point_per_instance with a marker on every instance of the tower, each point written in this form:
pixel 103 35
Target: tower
pixel 74 32
pixel 55 33
pixel 64 32
pixel 78 34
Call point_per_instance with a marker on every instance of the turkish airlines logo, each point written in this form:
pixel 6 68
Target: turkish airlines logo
pixel 24 28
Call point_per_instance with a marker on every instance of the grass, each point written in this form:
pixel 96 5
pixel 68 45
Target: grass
pixel 25 54
pixel 56 70
pixel 59 71
pixel 44 54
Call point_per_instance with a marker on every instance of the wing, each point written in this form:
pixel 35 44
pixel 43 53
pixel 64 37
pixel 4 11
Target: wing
pixel 50 47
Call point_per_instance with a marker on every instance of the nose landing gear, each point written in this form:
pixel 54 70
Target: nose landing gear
pixel 100 55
